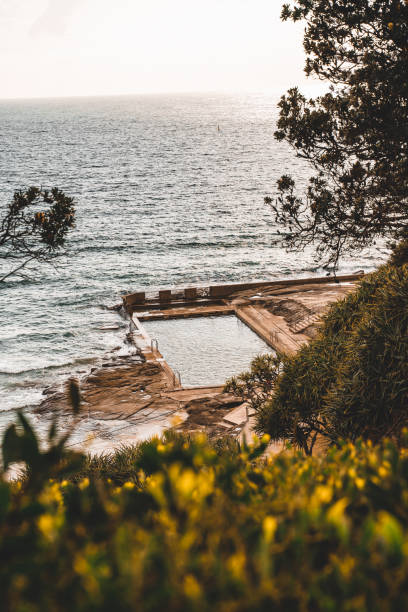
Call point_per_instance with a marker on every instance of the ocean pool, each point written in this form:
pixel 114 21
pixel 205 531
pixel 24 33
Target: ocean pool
pixel 206 350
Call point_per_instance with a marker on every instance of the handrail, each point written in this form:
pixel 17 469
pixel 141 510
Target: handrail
pixel 304 322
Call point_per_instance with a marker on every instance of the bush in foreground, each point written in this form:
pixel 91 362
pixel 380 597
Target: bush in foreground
pixel 196 529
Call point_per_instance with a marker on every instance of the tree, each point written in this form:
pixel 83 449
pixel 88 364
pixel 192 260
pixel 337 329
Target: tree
pixel 255 387
pixel 29 233
pixel 356 136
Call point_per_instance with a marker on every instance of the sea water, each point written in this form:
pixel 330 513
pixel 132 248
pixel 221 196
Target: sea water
pixel 169 191
pixel 206 350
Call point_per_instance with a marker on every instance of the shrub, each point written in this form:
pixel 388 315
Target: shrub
pixel 202 530
pixel 399 255
pixel 124 463
pixel 256 386
pixel 352 379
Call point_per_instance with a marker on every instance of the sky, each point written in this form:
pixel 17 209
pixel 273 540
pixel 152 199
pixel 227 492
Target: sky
pixel 110 47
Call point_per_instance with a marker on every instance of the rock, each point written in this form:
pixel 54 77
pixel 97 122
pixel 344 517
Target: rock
pixel 116 307
pixel 237 416
pixel 241 301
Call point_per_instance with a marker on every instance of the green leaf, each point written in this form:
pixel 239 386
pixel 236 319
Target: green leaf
pixel 4 499
pixel 29 444
pixel 11 446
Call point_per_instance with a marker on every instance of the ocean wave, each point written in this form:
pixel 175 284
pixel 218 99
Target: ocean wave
pixel 52 367
pixel 33 336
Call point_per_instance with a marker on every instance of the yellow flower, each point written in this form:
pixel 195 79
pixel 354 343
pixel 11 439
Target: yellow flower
pixel 336 514
pixel 270 525
pixel 129 485
pixel 322 495
pixel 155 486
pixel 84 484
pixel 236 564
pixel 186 483
pixel 80 564
pixel 345 564
pixel 48 524
pixel 383 472
pixel 51 494
pixel 191 587
pixel 201 438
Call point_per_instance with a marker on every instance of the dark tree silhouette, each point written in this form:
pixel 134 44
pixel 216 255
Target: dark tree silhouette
pixel 356 136
pixel 29 232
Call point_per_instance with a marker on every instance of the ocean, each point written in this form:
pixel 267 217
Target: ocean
pixel 169 191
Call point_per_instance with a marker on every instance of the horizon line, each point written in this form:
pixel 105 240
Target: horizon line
pixel 147 93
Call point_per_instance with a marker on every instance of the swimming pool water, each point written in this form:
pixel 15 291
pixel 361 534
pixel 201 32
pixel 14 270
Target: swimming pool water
pixel 206 350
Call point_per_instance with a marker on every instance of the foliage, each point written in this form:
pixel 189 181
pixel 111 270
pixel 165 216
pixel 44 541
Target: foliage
pixel 121 465
pixel 28 233
pixel 200 530
pixel 399 255
pixel 21 444
pixel 351 380
pixel 355 136
pixel 255 387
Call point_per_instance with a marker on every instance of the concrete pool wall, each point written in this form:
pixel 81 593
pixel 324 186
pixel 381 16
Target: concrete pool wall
pixel 222 291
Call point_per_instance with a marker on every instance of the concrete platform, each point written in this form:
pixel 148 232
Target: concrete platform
pixel 238 416
pixel 271 328
pixel 185 312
